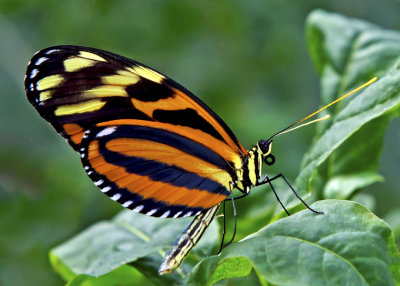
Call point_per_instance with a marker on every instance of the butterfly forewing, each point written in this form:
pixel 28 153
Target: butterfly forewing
pixel 74 88
pixel 168 154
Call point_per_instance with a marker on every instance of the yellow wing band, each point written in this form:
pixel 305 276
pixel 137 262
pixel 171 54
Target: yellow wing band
pixel 83 60
pixel 86 106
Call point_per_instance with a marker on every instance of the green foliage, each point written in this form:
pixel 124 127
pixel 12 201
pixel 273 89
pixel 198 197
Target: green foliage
pixel 238 266
pixel 356 131
pixel 107 245
pixel 343 186
pixel 124 275
pixel 348 244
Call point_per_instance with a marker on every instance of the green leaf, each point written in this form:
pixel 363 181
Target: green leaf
pixel 149 265
pixel 122 276
pixel 347 245
pixel 347 52
pixel 232 267
pixel 393 219
pixel 366 200
pixel 212 269
pixel 342 187
pixel 107 245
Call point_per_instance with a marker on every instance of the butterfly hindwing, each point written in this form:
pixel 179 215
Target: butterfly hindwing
pixel 150 169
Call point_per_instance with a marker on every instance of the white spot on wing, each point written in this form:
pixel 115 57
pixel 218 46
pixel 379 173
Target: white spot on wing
pixel 127 204
pixel 32 86
pixel 87 167
pixel 188 214
pixel 151 212
pixel 166 214
pixel 34 73
pixel 116 197
pixel 99 182
pixel 41 60
pixel 52 51
pixel 90 172
pixel 106 131
pixel 177 214
pixel 106 189
pixel 199 212
pixel 138 208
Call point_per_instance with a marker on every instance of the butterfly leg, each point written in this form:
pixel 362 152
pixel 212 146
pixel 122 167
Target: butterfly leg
pixel 235 186
pixel 268 180
pixel 223 230
pixel 234 226
pixel 234 215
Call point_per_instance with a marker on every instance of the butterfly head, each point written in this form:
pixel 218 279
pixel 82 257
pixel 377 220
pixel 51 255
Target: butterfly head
pixel 265 147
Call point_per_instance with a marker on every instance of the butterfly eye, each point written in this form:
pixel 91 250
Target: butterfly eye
pixel 265 146
pixel 269 160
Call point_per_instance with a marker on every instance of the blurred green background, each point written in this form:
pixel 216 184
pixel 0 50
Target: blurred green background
pixel 247 60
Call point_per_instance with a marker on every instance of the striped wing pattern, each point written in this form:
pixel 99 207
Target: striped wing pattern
pixel 142 168
pixel 74 88
pixel 146 141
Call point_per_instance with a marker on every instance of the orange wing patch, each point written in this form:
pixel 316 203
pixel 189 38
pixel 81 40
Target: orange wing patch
pixel 147 188
pixel 74 132
pixel 174 156
pixel 217 146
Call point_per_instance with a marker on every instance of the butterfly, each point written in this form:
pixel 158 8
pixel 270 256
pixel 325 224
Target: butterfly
pixel 144 140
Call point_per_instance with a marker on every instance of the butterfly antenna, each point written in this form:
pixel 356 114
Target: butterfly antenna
pixel 289 128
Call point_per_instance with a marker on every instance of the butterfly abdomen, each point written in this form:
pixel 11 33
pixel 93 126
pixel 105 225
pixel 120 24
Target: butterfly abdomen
pixel 187 241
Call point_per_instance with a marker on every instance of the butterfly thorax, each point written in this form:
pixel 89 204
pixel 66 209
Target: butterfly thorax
pixel 250 172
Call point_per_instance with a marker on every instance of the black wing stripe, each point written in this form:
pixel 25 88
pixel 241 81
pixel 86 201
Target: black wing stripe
pixel 170 82
pixel 162 172
pixel 165 137
pixel 148 91
pixel 136 202
pixel 186 117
